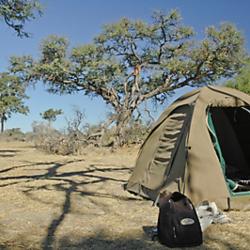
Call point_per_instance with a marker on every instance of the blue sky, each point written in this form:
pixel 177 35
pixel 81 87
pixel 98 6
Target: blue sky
pixel 81 20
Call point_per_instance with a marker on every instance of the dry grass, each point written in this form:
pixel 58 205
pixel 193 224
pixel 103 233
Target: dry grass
pixel 77 202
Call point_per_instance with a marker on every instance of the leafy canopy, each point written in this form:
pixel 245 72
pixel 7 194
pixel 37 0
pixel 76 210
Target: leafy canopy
pixel 12 96
pixel 242 80
pixel 51 114
pixel 130 62
pixel 15 13
pixel 162 54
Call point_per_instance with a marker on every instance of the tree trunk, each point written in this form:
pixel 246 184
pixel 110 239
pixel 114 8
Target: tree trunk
pixel 2 123
pixel 122 122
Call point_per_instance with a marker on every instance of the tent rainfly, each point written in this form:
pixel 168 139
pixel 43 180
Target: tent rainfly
pixel 200 145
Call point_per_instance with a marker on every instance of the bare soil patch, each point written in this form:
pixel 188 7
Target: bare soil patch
pixel 77 202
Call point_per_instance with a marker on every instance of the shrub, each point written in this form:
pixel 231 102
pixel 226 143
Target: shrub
pixel 14 134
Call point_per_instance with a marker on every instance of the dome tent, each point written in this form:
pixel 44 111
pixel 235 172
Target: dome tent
pixel 200 144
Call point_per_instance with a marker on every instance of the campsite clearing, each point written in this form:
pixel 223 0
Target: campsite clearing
pixel 77 202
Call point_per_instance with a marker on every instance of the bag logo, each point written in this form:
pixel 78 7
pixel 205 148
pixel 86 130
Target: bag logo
pixel 187 221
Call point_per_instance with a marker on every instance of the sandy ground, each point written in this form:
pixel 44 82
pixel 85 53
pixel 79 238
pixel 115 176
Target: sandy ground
pixel 77 202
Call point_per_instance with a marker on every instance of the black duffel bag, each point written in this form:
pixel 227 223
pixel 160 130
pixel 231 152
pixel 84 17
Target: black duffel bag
pixel 178 224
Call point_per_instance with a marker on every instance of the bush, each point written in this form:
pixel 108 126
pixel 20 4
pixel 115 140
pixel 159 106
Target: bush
pixel 53 141
pixel 14 134
pixel 136 133
pixel 78 136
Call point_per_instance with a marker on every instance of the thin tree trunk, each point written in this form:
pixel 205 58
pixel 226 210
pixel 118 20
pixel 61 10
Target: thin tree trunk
pixel 2 123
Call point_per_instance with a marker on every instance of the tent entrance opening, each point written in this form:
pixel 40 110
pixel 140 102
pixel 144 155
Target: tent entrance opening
pixel 231 125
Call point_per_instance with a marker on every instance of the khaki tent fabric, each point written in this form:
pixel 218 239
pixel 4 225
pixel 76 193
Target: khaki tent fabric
pixel 179 150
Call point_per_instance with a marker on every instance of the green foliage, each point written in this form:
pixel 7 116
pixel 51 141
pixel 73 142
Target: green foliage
pixel 53 49
pixel 130 62
pixel 15 13
pixel 12 95
pixel 242 80
pixel 51 114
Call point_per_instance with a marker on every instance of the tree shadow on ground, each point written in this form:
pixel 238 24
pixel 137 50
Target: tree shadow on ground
pixel 72 187
pixel 28 164
pixel 69 185
pixel 66 184
pixel 8 152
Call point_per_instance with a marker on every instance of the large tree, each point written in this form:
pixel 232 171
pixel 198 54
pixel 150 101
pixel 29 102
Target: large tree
pixel 242 80
pixel 15 13
pixel 12 95
pixel 134 61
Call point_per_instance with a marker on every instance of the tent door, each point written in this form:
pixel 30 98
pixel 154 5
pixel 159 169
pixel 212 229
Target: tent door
pixel 228 128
